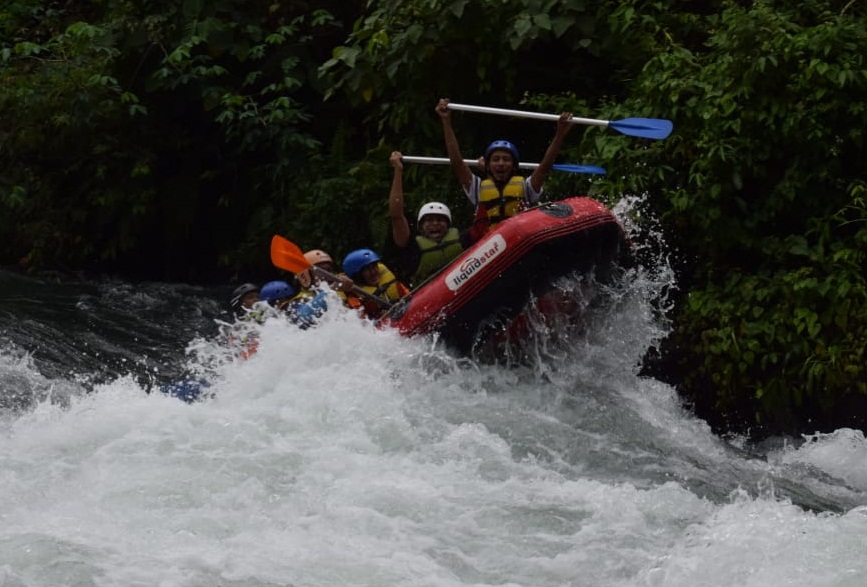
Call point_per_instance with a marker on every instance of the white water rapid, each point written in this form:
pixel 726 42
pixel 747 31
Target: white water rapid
pixel 345 455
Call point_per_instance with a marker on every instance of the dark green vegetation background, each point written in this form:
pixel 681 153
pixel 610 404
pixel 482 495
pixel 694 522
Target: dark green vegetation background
pixel 169 140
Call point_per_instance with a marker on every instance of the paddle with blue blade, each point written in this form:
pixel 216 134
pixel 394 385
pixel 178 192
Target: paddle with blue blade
pixel 566 167
pixel 645 128
pixel 288 256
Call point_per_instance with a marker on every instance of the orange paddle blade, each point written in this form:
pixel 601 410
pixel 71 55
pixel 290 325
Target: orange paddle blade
pixel 286 255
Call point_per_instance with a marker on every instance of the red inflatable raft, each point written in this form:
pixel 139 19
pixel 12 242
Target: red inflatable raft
pixel 522 257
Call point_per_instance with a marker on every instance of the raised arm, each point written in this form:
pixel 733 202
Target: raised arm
pixel 462 171
pixel 399 225
pixel 541 172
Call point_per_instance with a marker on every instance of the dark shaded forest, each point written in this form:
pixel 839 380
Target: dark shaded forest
pixel 167 140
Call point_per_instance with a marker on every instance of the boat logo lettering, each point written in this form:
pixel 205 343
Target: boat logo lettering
pixel 484 255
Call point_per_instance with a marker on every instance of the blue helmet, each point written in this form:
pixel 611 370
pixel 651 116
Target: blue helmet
pixel 502 146
pixel 275 290
pixel 357 260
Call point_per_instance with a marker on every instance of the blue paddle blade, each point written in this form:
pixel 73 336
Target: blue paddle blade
pixel 574 168
pixel 646 128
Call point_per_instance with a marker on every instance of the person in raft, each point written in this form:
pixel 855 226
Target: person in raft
pixel 242 300
pixel 311 300
pixel 437 241
pixel 309 282
pixel 502 192
pixel 365 268
pixel 278 294
pixel 241 336
pixel 303 310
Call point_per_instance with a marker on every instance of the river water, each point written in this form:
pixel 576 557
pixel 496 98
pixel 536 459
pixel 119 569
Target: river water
pixel 347 455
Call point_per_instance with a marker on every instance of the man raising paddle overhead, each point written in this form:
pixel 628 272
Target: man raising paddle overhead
pixel 501 193
pixel 437 241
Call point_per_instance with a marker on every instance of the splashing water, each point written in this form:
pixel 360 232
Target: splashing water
pixel 347 455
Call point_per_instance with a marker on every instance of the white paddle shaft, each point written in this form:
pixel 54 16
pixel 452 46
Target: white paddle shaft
pixel 524 114
pixel 446 161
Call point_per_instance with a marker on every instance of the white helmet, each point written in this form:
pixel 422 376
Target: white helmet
pixel 435 208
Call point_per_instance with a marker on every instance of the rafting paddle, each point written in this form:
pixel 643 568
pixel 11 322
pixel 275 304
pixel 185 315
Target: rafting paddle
pixel 287 255
pixel 646 128
pixel 567 167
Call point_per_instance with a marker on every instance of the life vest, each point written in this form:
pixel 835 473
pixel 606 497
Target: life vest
pixel 387 288
pixel 501 204
pixel 435 255
pixel 305 309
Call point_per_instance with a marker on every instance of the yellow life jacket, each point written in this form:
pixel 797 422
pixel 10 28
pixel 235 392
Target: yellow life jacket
pixel 500 205
pixel 435 255
pixel 387 287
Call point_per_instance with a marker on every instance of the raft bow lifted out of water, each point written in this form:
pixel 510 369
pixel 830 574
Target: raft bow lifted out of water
pixel 496 277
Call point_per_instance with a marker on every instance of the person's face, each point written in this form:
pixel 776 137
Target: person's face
pixel 369 274
pixel 434 226
pixel 326 265
pixel 501 166
pixel 249 298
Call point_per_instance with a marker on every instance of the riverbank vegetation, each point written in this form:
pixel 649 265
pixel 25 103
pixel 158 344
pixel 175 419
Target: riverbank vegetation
pixel 169 140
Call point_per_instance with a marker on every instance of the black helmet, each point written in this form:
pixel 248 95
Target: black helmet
pixel 239 293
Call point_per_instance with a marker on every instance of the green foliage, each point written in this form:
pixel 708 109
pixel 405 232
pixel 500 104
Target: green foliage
pixel 171 139
pixel 795 338
pixel 768 112
pixel 770 115
pixel 497 49
pixel 55 90
pixel 167 123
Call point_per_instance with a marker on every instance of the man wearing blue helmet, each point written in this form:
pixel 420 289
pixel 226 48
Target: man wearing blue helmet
pixel 365 268
pixel 303 311
pixel 502 192
pixel 277 294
